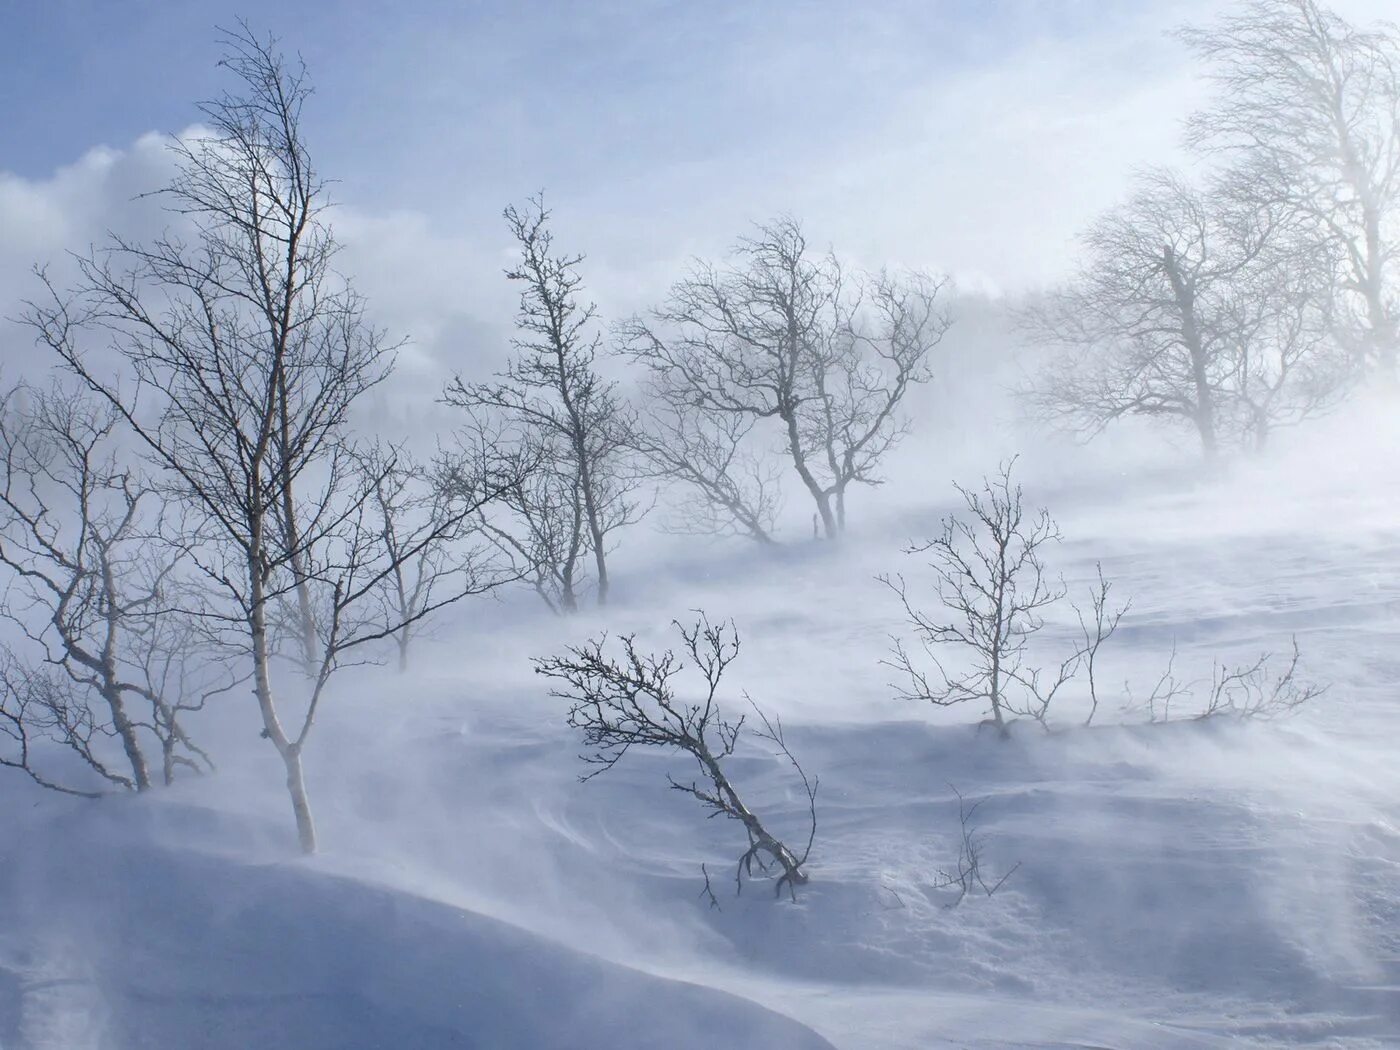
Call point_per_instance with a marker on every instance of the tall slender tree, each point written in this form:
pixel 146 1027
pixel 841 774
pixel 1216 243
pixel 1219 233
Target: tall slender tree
pixel 571 423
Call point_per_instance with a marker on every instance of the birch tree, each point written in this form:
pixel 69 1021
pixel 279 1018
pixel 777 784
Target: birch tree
pixel 633 699
pixel 1310 106
pixel 566 419
pixel 430 548
pixel 101 664
pixel 1203 307
pixel 994 593
pixel 1141 331
pixel 1286 364
pixel 244 352
pixel 726 485
pixel 783 337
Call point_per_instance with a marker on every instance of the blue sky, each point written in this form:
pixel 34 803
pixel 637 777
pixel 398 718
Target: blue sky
pixel 433 100
pixel 80 72
pixel 973 137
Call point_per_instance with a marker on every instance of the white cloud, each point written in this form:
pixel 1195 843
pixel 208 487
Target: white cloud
pixel 985 167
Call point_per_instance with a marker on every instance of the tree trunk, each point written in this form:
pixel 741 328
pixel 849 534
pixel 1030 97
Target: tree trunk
pixel 1205 426
pixel 759 838
pixel 293 537
pixel 111 689
pixel 122 724
pixel 167 750
pixel 1204 416
pixel 994 685
pixel 592 518
pixel 590 509
pixel 290 751
pixel 601 560
pixel 301 804
pixel 1003 580
pixel 1381 334
pixel 799 462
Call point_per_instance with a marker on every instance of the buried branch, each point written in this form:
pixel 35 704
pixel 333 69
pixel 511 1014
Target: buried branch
pixel 1246 692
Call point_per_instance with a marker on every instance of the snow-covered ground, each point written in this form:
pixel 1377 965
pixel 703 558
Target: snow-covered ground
pixel 1186 885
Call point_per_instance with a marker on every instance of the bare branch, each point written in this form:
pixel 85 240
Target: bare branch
pixel 631 700
pixel 783 338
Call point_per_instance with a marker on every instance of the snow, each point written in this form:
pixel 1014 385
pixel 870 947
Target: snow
pixel 1184 885
pixel 115 942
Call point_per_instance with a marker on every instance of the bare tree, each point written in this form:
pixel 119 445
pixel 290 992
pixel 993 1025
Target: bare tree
pixel 1200 306
pixel 94 594
pixel 1252 691
pixel 860 377
pixel 1096 626
pixel 968 875
pixel 727 487
pixel 631 701
pixel 430 548
pixel 246 351
pixel 569 419
pixel 538 520
pixel 1165 691
pixel 42 720
pixel 1285 361
pixel 994 592
pixel 1141 328
pixel 258 273
pixel 1310 107
pixel 782 335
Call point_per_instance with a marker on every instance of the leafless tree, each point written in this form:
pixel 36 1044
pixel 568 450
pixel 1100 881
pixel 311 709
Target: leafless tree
pixel 1285 362
pixel 631 701
pixel 783 335
pixel 245 352
pixel 1165 691
pixel 1252 691
pixel 41 711
pixel 860 377
pixel 94 594
pixel 538 520
pixel 1245 691
pixel 1097 624
pixel 1310 107
pixel 1201 306
pixel 415 502
pixel 727 487
pixel 994 593
pixel 968 875
pixel 1141 329
pixel 570 421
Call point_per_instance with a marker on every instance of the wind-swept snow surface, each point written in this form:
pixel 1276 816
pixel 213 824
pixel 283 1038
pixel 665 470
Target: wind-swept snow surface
pixel 114 942
pixel 1196 884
